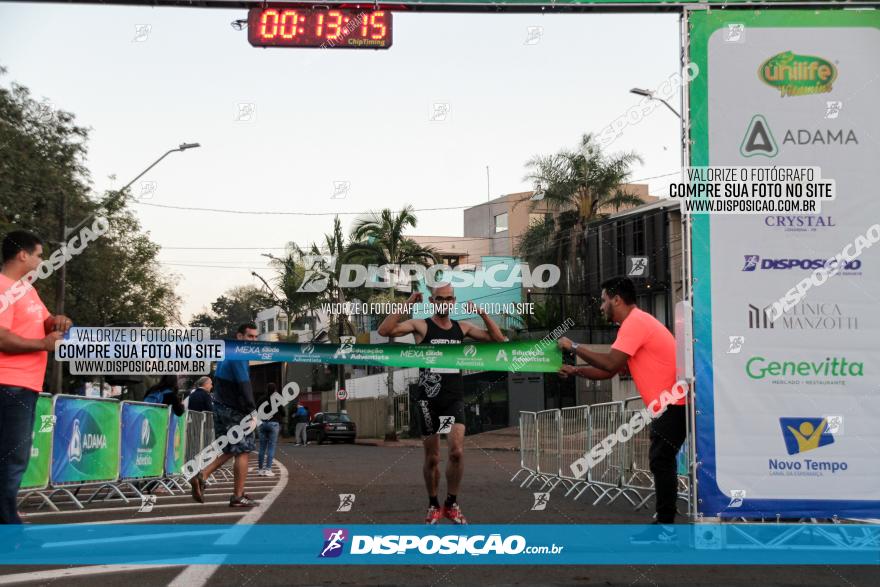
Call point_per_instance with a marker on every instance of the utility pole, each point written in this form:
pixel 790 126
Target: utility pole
pixel 340 370
pixel 57 366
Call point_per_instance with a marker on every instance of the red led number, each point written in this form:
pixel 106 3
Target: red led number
pixel 294 27
pixel 377 21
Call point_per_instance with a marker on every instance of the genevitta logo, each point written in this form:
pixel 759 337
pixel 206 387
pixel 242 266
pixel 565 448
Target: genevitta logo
pixel 470 351
pixel 334 542
pixel 830 371
pixel 755 262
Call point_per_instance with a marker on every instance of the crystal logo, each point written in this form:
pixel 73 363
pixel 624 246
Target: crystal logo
pixel 334 543
pixel 798 75
pixel 799 223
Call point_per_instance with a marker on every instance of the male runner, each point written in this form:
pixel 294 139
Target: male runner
pixel 441 394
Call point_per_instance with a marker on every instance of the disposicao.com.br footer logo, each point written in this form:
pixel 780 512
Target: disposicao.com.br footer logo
pixel 335 540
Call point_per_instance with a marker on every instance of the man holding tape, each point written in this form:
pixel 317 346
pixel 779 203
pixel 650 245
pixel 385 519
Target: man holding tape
pixel 441 394
pixel 27 333
pixel 647 349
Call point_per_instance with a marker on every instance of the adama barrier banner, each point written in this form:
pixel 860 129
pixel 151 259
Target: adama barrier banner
pixel 787 406
pixel 85 446
pixel 533 356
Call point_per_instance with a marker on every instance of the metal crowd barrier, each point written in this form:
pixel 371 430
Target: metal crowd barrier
pixel 45 479
pixel 528 447
pixel 551 441
pixel 574 426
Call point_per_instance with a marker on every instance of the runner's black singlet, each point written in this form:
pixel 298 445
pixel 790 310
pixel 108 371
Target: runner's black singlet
pixel 441 385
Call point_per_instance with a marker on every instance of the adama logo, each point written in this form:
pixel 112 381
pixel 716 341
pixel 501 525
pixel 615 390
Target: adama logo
pixel 798 75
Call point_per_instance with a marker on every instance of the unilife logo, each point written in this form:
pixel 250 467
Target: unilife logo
pixel 798 75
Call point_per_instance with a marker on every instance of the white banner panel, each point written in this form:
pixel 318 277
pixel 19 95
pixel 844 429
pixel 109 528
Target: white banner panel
pixel 788 409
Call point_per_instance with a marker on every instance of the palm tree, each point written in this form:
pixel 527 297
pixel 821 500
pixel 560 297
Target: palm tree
pixel 582 183
pixel 378 239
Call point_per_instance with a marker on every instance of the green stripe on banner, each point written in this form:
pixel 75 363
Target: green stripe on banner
pixel 530 356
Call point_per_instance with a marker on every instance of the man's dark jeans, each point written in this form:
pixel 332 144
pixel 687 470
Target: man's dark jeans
pixel 16 430
pixel 667 435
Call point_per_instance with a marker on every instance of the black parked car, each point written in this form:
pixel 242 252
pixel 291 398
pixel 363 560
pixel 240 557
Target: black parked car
pixel 331 426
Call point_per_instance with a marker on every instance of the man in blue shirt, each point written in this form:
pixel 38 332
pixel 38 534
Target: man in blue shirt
pixel 233 401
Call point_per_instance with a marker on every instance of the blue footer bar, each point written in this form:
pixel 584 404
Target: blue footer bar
pixel 599 544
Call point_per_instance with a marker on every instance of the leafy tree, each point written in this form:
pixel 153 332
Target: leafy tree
pixel 43 177
pixel 378 239
pixel 582 183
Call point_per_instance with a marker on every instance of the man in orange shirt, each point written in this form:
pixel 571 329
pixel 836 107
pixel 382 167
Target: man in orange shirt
pixel 647 348
pixel 27 333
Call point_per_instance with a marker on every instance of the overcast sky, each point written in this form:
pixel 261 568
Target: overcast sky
pixel 320 117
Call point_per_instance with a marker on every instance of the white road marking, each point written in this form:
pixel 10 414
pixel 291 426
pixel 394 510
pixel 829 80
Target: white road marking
pixel 194 575
pixel 199 575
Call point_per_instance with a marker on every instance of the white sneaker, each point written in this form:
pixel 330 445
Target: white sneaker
pixel 268 473
pixel 261 472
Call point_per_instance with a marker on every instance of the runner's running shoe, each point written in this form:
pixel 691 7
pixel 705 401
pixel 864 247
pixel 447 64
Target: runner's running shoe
pixel 197 484
pixel 433 516
pixel 244 501
pixel 453 512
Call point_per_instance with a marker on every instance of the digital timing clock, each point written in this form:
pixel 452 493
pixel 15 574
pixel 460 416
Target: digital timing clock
pixel 327 28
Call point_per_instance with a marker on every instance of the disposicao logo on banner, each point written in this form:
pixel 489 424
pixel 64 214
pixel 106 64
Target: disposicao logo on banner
pixel 334 542
pixel 798 75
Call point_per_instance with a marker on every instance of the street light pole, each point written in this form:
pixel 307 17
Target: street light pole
pixel 57 369
pixel 650 95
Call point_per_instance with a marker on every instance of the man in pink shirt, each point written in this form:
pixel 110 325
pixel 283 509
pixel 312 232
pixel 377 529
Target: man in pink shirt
pixel 646 348
pixel 27 333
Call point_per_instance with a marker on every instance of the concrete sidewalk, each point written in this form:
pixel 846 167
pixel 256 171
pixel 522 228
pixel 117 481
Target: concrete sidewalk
pixel 502 439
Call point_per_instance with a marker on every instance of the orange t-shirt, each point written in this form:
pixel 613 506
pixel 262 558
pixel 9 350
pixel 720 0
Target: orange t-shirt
pixel 651 350
pixel 25 318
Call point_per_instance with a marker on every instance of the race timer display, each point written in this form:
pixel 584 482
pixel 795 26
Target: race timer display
pixel 337 28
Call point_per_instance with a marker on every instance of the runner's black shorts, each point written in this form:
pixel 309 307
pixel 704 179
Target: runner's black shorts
pixel 439 416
